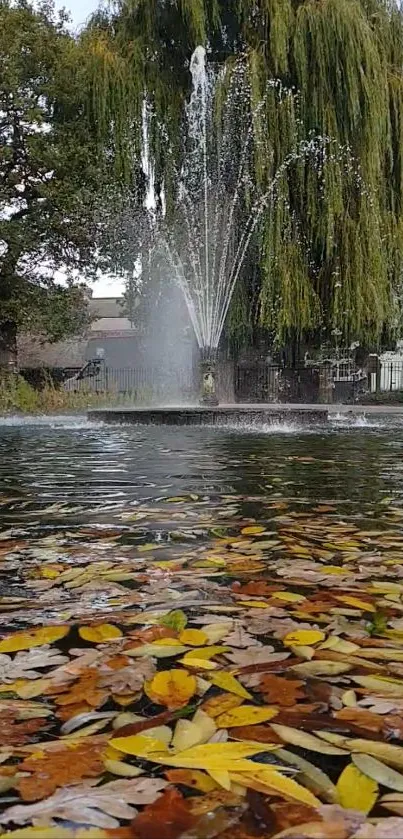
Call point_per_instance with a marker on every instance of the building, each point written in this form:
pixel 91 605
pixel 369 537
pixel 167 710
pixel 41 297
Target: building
pixel 111 336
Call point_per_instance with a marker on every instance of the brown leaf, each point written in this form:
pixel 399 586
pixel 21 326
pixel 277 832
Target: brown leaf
pixel 85 689
pixel 67 766
pixel 12 734
pixel 362 718
pixel 261 733
pixel 289 813
pixel 257 587
pixel 167 818
pixel 281 691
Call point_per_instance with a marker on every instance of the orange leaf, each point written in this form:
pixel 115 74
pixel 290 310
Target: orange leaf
pixel 172 688
pixel 281 691
pixel 361 717
pixel 221 704
pixel 167 818
pixel 84 689
pixel 260 733
pixel 53 770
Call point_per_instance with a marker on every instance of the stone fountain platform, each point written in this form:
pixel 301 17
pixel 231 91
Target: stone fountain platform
pixel 242 414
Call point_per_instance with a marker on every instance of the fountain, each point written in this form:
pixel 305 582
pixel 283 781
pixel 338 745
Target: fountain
pixel 207 244
pixel 218 208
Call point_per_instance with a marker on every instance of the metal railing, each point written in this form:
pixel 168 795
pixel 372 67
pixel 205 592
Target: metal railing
pixel 247 382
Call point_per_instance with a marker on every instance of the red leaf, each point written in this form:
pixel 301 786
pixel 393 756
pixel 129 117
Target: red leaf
pixel 167 818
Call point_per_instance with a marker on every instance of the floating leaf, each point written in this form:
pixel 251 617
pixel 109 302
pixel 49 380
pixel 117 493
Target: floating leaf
pixel 168 818
pixel 190 733
pixel 281 691
pixel 252 530
pixel 246 715
pixel 193 778
pixel 303 637
pixel 305 741
pixel 100 633
pixel 99 806
pixel 356 790
pixel 33 638
pixel 268 780
pixel 193 637
pixel 172 688
pixel 65 766
pixel 221 704
pixel 176 620
pixel 229 683
pixel 378 771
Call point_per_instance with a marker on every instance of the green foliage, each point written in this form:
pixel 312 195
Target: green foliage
pixel 330 251
pixel 49 173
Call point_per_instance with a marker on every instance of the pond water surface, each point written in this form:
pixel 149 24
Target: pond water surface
pixel 279 548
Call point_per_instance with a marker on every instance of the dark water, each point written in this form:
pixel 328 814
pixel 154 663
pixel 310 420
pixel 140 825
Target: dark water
pixel 69 469
pixel 76 492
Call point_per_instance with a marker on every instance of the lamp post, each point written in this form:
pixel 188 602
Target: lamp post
pixel 208 368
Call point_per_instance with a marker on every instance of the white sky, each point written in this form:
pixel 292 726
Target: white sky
pixel 80 11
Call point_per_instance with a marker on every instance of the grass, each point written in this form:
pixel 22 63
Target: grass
pixel 17 396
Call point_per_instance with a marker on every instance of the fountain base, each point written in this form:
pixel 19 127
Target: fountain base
pixel 208 368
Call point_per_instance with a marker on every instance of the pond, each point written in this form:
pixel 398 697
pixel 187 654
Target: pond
pixel 202 622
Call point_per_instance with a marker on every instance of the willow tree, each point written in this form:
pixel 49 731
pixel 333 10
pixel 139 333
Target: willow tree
pixel 327 258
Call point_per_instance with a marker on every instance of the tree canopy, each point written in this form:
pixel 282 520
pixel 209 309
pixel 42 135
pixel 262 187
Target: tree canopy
pixel 49 174
pixel 327 259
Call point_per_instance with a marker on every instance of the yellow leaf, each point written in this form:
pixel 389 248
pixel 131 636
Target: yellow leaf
pixel 221 777
pixel 172 688
pixel 193 637
pixel 122 769
pixel 265 779
pixel 246 715
pixel 214 756
pixel 100 633
pixel 199 663
pixel 193 778
pixel 29 688
pixel 205 653
pixel 252 530
pixel 303 637
pixel 229 683
pixel 289 596
pixel 166 642
pixel 356 603
pixel 332 569
pixel 138 745
pixel 33 638
pixel 378 771
pixel 189 733
pixel 256 604
pixel 355 790
pixel 217 705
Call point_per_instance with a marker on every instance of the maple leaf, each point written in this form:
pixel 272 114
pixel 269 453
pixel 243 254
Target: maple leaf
pixel 100 806
pixel 85 689
pixel 255 655
pixel 240 638
pixel 12 734
pixel 22 666
pixel 66 766
pixel 283 692
pixel 128 679
pixel 168 818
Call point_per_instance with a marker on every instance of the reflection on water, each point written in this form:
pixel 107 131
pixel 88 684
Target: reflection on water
pixel 282 544
pixel 68 467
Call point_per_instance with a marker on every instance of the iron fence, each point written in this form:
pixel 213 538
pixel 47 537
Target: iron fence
pixel 253 382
